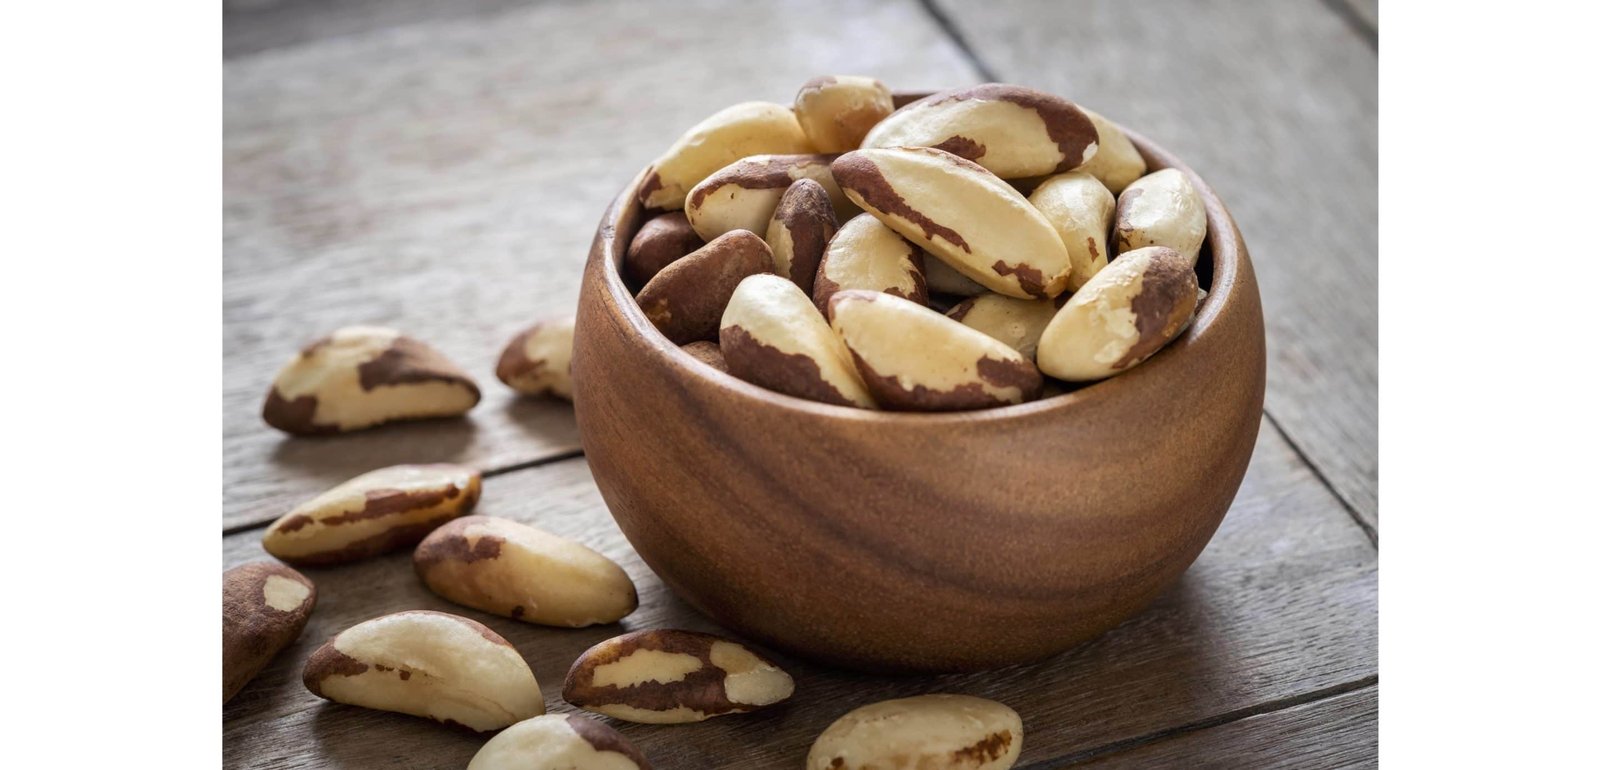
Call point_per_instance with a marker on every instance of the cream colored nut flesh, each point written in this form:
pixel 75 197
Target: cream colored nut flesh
pixel 265 606
pixel 927 732
pixel 538 360
pixel 866 254
pixel 799 232
pixel 1011 130
pixel 1016 322
pixel 914 359
pixel 1081 209
pixel 522 572
pixel 749 128
pixel 559 742
pixel 1161 209
pixel 1121 317
pixel 961 214
pixel 836 112
pixel 427 664
pixel 362 376
pixel 373 513
pixel 1118 162
pixel 744 194
pixel 943 279
pixel 774 337
pixel 669 676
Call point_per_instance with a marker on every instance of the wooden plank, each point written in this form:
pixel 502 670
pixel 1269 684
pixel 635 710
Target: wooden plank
pixel 1283 602
pixel 251 26
pixel 1337 733
pixel 445 178
pixel 1278 110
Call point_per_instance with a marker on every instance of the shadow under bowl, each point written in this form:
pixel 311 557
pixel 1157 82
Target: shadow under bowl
pixel 893 541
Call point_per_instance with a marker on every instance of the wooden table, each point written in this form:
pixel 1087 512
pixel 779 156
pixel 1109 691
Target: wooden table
pixel 439 167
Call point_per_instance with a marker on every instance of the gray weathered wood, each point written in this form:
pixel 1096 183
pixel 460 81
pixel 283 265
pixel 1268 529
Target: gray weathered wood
pixel 1283 602
pixel 1339 733
pixel 446 178
pixel 1277 107
pixel 251 26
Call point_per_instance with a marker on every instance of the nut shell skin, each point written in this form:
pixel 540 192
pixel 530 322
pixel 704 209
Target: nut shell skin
pixel 427 664
pixel 524 573
pixel 1161 209
pixel 685 301
pixel 670 676
pixel 538 360
pixel 265 606
pixel 1124 315
pixel 774 337
pixel 744 194
pixel 364 376
pixel 837 111
pixel 559 742
pixel 961 214
pixel 866 254
pixel 914 359
pixel 1081 209
pixel 1118 162
pixel 926 732
pixel 373 513
pixel 1010 130
pixel 659 242
pixel 799 232
pixel 739 131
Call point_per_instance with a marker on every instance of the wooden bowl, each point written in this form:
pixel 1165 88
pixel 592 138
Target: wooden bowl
pixel 930 542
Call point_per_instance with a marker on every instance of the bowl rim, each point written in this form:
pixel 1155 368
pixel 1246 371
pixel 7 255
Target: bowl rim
pixel 1228 256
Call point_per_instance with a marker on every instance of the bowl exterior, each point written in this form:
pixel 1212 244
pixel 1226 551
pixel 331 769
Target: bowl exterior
pixel 919 542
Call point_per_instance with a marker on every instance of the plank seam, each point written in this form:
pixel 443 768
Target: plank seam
pixel 1225 718
pixel 1350 510
pixel 949 28
pixel 1355 21
pixel 488 473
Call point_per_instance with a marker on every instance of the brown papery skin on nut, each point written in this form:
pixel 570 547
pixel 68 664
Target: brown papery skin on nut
pixel 253 632
pixel 685 301
pixel 793 374
pixel 1167 298
pixel 659 242
pixel 808 215
pixel 701 690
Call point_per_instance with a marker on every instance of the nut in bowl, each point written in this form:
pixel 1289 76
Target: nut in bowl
pixel 899 540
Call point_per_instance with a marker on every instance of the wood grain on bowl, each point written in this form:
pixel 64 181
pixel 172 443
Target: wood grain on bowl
pixel 915 541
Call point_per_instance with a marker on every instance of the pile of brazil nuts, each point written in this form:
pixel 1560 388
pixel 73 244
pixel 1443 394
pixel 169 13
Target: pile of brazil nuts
pixel 974 248
pixel 461 672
